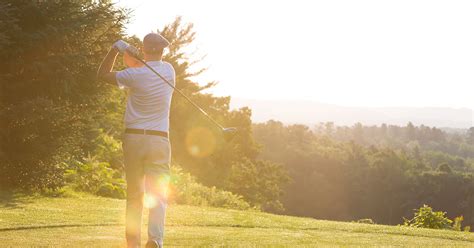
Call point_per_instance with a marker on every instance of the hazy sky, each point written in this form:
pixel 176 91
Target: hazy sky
pixel 354 53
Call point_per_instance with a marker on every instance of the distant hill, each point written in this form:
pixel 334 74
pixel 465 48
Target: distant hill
pixel 310 113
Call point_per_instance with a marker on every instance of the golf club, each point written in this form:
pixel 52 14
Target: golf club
pixel 225 130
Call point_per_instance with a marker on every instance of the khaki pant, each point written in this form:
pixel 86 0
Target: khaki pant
pixel 147 159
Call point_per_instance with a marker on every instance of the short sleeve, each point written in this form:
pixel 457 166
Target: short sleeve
pixel 124 78
pixel 172 74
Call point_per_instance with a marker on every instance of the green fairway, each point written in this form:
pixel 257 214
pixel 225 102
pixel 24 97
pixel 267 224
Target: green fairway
pixel 88 221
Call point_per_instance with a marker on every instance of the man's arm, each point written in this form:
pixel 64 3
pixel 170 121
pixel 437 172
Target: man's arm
pixel 105 69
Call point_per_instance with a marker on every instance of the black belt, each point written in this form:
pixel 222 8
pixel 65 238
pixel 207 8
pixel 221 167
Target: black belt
pixel 146 132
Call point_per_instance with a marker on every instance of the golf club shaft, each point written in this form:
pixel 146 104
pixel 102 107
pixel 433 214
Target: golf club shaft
pixel 181 93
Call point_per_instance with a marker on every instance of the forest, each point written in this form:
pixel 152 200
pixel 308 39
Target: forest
pixel 377 172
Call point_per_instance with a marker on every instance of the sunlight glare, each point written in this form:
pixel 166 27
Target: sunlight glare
pixel 200 142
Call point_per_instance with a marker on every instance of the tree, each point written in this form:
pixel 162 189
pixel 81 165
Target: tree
pixel 444 167
pixel 410 131
pixel 358 133
pixel 50 101
pixel 470 136
pixel 259 182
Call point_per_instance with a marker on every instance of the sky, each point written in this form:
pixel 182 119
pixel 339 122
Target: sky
pixel 354 53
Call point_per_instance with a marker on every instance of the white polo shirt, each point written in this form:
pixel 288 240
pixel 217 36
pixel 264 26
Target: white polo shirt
pixel 149 97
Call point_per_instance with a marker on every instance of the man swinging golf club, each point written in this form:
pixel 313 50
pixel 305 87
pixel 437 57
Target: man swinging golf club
pixel 146 145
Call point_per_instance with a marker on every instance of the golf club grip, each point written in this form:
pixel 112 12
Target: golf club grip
pixel 179 91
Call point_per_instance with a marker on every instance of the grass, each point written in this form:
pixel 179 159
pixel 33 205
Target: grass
pixel 88 221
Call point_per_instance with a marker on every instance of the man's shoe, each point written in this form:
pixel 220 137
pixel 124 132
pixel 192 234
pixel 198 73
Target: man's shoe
pixel 152 244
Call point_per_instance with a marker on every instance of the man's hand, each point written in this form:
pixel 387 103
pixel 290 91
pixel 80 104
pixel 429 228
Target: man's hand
pixel 123 47
pixel 105 70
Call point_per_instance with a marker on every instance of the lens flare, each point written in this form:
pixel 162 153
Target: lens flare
pixel 200 142
pixel 149 201
pixel 157 190
pixel 162 185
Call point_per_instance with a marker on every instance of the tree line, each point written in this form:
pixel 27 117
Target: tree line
pixel 422 138
pixel 350 173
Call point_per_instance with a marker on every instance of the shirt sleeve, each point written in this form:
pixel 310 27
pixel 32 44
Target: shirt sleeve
pixel 172 74
pixel 124 78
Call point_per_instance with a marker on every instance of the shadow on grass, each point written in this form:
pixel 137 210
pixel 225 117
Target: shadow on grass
pixel 13 199
pixel 10 199
pixel 54 226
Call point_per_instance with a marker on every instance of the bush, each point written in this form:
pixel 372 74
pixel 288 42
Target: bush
pixel 458 223
pixel 425 217
pixel 108 149
pixel 100 179
pixel 96 178
pixel 185 190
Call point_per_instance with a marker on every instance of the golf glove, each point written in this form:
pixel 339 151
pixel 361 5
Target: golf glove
pixel 123 46
pixel 120 45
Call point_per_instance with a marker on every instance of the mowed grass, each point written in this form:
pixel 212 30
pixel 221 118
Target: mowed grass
pixel 89 221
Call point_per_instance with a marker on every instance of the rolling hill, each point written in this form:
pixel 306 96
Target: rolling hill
pixel 89 221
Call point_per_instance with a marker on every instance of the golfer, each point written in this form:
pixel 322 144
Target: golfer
pixel 146 145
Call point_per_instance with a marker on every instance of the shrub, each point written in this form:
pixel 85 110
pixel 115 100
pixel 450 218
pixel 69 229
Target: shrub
pixel 100 179
pixel 458 223
pixel 185 190
pixel 108 149
pixel 425 217
pixel 96 178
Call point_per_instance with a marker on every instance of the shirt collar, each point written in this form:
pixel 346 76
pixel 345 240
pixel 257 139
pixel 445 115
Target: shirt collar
pixel 154 62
